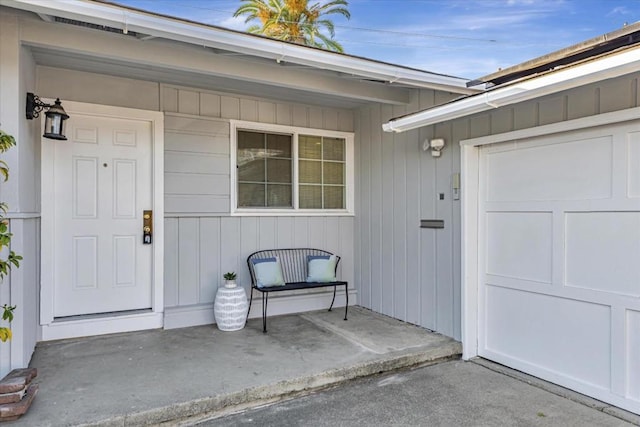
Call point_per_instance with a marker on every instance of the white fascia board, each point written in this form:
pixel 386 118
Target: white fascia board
pixel 202 35
pixel 611 66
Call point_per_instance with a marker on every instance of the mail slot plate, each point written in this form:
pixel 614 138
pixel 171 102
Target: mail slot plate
pixel 431 223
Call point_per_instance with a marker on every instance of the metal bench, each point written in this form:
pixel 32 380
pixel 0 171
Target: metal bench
pixel 294 271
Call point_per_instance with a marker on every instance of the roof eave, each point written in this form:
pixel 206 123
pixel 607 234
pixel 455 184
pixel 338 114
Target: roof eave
pixel 610 66
pixel 202 35
pixel 596 46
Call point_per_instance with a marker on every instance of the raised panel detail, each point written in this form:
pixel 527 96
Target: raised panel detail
pixel 124 188
pixel 549 332
pixel 85 187
pixel 602 251
pixel 576 170
pixel 85 135
pixel 519 245
pixel 124 260
pixel 124 137
pixel 633 355
pixel 634 165
pixel 85 262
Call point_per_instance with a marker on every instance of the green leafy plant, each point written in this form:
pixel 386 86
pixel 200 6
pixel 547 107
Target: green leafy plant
pixel 295 21
pixel 12 260
pixel 230 276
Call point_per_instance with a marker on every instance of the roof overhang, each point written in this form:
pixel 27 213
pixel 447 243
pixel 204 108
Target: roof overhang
pixel 609 66
pixel 625 36
pixel 154 25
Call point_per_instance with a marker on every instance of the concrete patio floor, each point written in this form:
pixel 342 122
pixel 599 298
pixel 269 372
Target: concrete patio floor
pixel 185 375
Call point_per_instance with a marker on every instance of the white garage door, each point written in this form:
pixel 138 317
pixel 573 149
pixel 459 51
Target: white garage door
pixel 559 259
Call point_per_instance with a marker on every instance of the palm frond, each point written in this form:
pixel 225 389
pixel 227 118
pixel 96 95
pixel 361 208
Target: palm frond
pixel 295 20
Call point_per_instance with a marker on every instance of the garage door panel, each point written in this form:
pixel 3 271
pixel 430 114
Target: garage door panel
pixel 554 334
pixel 633 355
pixel 541 173
pixel 602 251
pixel 633 178
pixel 559 259
pixel 519 245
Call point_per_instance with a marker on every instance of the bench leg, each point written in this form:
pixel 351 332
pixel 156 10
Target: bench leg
pixel 346 294
pixel 265 301
pixel 334 298
pixel 250 301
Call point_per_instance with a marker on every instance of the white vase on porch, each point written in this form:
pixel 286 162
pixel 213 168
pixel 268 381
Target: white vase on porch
pixel 230 308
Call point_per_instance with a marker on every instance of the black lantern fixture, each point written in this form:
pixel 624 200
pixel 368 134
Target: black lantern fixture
pixel 55 116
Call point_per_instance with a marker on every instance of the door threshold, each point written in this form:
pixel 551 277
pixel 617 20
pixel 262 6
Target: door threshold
pixel 102 324
pixel 100 315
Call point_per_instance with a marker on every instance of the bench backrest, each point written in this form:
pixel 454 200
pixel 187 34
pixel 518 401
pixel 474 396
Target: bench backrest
pixel 293 262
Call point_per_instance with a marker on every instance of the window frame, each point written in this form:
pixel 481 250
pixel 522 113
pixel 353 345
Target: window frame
pixel 295 132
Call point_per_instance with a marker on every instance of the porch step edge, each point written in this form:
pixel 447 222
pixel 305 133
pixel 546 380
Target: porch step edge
pixel 198 410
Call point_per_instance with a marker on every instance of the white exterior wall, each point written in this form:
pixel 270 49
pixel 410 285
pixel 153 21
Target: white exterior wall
pixel 202 241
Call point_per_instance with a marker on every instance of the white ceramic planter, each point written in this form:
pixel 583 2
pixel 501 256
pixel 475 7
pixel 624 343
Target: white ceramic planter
pixel 230 308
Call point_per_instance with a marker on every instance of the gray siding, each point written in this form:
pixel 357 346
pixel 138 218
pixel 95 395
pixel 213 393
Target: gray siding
pixel 410 273
pixel 401 270
pixel 198 250
pixel 196 165
pixel 20 287
pixel 202 241
pixel 598 98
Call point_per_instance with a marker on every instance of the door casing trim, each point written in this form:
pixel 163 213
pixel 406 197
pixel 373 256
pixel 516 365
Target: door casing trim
pixel 51 330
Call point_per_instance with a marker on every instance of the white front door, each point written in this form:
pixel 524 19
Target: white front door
pixel 102 184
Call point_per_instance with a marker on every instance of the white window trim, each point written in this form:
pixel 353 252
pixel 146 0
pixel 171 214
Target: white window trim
pixel 235 125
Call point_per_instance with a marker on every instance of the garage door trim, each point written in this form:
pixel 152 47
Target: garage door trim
pixel 472 257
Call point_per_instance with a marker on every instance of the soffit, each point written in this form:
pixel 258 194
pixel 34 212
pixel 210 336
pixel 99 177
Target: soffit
pixel 131 70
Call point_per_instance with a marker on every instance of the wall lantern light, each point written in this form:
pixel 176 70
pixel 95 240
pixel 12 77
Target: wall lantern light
pixel 55 116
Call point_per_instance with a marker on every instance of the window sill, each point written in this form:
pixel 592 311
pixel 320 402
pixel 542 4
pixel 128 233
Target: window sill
pixel 291 212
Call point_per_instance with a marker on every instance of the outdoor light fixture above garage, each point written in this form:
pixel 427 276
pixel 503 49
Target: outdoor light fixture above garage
pixel 55 116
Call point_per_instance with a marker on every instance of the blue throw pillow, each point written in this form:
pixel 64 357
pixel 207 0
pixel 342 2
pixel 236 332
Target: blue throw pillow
pixel 321 268
pixel 268 272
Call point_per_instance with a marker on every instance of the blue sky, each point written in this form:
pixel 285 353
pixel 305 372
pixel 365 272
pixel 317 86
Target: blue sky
pixel 466 38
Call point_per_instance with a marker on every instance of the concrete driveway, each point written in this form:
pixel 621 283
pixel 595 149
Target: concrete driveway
pixel 185 376
pixel 453 393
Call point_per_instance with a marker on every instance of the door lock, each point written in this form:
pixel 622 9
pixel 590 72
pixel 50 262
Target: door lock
pixel 147 227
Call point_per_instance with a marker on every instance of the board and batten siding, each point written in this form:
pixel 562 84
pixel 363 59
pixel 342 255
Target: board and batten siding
pixel 414 274
pixel 202 241
pixel 404 271
pixel 602 97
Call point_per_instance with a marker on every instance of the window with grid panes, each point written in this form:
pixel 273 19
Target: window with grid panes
pixel 321 172
pixel 264 170
pixel 298 171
